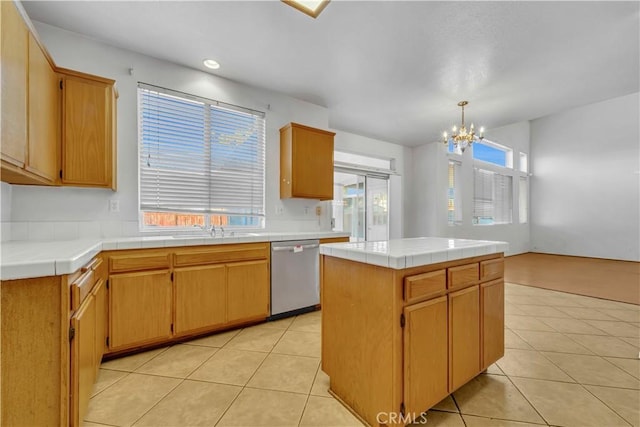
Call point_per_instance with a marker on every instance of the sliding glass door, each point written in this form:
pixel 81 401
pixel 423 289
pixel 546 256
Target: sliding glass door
pixel 361 206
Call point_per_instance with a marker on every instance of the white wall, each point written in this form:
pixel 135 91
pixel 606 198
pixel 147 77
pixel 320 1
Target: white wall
pixel 352 143
pixel 428 207
pixel 43 213
pixel 586 184
pixel 85 211
pixel 5 211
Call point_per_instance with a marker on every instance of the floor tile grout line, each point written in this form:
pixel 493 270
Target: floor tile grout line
pixel 605 404
pixel 528 401
pixel 159 400
pixel 114 383
pixel 497 418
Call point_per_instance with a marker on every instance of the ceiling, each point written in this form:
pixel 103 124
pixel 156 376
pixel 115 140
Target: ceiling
pixel 387 69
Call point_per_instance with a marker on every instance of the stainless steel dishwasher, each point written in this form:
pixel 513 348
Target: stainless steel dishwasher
pixel 295 281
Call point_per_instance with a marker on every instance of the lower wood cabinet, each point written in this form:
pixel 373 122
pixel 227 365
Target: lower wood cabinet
pixel 140 307
pixel 183 292
pixel 464 336
pixel 400 340
pixel 84 358
pixel 492 312
pixel 247 290
pixel 201 297
pixel 425 354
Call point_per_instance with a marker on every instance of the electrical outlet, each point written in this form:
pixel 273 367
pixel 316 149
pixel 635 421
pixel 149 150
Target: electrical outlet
pixel 114 205
pixel 306 210
pixel 279 210
pixel 318 210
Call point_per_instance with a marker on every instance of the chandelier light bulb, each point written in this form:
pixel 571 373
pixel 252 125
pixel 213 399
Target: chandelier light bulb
pixel 462 139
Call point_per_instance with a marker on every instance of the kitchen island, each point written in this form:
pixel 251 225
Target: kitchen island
pixel 407 322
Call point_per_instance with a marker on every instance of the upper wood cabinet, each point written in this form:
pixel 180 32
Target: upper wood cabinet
pixel 306 162
pixel 88 130
pixel 30 105
pixel 13 73
pixel 51 136
pixel 44 115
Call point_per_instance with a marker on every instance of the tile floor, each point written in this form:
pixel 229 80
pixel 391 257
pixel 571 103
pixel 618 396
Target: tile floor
pixel 569 361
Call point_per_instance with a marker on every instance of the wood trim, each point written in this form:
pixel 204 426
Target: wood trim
pixel 73 73
pixel 334 240
pixel 491 269
pixel 151 259
pixel 462 276
pixel 220 254
pixel 423 286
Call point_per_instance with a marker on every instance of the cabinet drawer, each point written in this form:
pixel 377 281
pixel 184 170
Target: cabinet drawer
pixel 491 269
pixel 81 287
pixel 221 253
pixel 463 275
pixel 139 261
pixel 423 285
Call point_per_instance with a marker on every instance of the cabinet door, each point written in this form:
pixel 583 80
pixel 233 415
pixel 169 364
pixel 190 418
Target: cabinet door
pixel 312 164
pixel 425 355
pixel 464 336
pixel 102 316
pixel 492 311
pixel 247 290
pixel 87 146
pixel 83 359
pixel 139 308
pixel 201 297
pixel 43 115
pixel 13 86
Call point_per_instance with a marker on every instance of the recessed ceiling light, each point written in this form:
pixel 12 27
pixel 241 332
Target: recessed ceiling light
pixel 310 7
pixel 210 63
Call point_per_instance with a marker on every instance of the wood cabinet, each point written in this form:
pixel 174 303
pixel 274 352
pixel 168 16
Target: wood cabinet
pixel 14 73
pixel 248 290
pixel 49 346
pixel 102 319
pixel 88 130
pixel 44 115
pixel 425 354
pixel 30 105
pixel 492 316
pixel 201 297
pixel 140 307
pixel 306 162
pixel 50 136
pixel 163 295
pixel 424 331
pixel 464 336
pixel 84 358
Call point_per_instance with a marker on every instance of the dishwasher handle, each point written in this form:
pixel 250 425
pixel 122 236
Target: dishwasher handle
pixel 291 248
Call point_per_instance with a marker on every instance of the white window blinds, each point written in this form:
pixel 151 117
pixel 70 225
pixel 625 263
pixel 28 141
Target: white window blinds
pixel 199 155
pixel 493 197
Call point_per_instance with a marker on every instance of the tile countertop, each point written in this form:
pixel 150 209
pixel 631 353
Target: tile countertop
pixel 28 259
pixel 406 253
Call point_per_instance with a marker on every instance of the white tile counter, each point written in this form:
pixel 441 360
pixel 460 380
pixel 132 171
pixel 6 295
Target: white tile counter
pixel 406 253
pixel 26 259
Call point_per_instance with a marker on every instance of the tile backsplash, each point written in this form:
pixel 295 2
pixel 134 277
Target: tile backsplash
pixel 70 230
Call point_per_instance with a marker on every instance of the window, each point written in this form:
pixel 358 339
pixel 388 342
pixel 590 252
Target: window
pixel 454 194
pixel 524 163
pixel 492 201
pixel 202 162
pixel 491 152
pixel 523 201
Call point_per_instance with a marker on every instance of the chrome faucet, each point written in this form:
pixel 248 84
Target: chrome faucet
pixel 222 231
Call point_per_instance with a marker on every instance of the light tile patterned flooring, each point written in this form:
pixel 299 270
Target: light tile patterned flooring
pixel 569 360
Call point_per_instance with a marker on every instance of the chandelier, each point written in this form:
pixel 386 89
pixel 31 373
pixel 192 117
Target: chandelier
pixel 462 138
